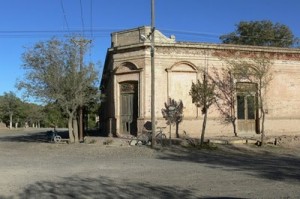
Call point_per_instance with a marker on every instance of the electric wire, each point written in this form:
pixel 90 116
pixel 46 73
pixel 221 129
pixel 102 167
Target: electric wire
pixel 91 29
pixel 50 33
pixel 91 22
pixel 64 14
pixel 81 13
pixel 213 35
pixel 105 32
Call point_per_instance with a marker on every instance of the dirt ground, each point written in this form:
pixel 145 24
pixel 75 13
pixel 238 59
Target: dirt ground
pixel 31 167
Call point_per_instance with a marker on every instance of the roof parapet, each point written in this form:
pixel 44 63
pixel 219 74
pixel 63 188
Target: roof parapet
pixel 137 36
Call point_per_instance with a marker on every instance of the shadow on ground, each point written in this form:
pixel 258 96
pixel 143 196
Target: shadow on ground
pixel 41 136
pixel 102 187
pixel 261 162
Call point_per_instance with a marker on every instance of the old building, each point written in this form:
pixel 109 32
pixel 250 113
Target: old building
pixel 126 84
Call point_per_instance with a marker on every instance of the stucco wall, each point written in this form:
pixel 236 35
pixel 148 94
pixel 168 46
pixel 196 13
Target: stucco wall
pixel 179 64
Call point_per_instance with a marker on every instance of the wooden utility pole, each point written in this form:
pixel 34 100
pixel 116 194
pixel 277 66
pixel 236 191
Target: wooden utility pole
pixel 153 74
pixel 81 43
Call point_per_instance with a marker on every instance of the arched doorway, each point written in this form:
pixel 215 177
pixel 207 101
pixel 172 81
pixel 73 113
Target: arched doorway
pixel 128 107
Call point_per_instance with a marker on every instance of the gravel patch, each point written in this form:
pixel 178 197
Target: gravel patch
pixel 30 167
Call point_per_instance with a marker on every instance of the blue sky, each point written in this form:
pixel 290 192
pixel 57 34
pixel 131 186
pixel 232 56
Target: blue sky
pixel 23 23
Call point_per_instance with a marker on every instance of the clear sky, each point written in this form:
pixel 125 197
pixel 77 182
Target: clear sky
pixel 24 22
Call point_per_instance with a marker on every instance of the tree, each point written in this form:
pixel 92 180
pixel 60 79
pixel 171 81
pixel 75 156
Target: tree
pixel 173 113
pixel 54 116
pixel 32 114
pixel 225 95
pixel 9 106
pixel 203 95
pixel 257 70
pixel 54 74
pixel 260 33
pixel 93 108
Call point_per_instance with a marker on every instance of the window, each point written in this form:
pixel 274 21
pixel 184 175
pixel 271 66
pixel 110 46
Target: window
pixel 246 107
pixel 246 100
pixel 241 107
pixel 250 108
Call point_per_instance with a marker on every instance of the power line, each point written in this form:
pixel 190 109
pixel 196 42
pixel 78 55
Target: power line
pixel 91 12
pixel 81 13
pixel 51 33
pixel 213 35
pixel 64 13
pixel 104 32
pixel 91 28
pixel 191 32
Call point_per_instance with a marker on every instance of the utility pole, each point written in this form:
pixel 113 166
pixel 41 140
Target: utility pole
pixel 81 43
pixel 153 75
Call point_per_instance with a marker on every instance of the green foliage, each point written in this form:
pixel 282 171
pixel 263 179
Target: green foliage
pixel 32 114
pixel 54 116
pixel 55 72
pixel 9 107
pixel 260 33
pixel 173 111
pixel 203 94
pixel 14 111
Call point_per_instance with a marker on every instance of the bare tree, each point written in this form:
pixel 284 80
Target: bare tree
pixel 225 95
pixel 203 96
pixel 54 75
pixel 258 70
pixel 262 73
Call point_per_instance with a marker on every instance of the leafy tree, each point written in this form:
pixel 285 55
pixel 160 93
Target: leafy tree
pixel 9 106
pixel 54 74
pixel 173 113
pixel 225 95
pixel 260 33
pixel 203 96
pixel 54 116
pixel 32 114
pixel 92 108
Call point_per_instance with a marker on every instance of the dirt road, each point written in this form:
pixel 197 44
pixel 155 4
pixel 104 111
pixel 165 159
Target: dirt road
pixel 32 168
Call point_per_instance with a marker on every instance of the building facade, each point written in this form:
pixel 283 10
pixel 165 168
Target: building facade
pixel 126 84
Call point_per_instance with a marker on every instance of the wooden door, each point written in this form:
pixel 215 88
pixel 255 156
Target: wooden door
pixel 128 108
pixel 247 109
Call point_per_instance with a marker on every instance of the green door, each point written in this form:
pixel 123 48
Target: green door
pixel 129 108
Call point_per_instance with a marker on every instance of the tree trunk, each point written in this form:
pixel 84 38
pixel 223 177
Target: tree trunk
pixel 170 138
pixel 177 134
pixel 203 128
pixel 262 140
pixel 75 130
pixel 70 127
pixel 262 110
pixel 10 120
pixel 80 123
pixel 234 127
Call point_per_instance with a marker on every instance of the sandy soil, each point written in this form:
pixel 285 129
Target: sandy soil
pixel 30 167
